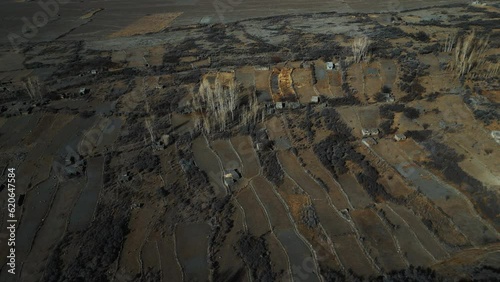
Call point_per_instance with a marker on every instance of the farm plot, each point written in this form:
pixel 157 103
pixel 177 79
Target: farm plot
pixel 51 231
pixel 349 252
pixel 35 208
pixel 150 256
pixel 322 80
pixel 451 202
pixel 339 199
pixel 357 80
pixel 262 85
pixel 254 215
pixel 356 194
pixel 245 76
pixel 302 82
pixel 296 200
pixel 243 145
pixel 258 225
pixel 299 254
pixel 272 205
pixel 369 116
pixel 83 211
pixel 16 128
pixel 372 81
pixel 279 258
pixel 427 238
pixel 170 267
pixel 207 161
pixel 335 78
pixel 192 247
pixel 139 226
pixel 230 265
pixel 226 154
pixel 413 250
pixel 110 133
pixel 388 72
pixel 378 241
pixel 295 247
pixel 333 223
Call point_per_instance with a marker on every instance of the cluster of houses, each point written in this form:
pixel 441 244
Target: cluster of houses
pixel 369 135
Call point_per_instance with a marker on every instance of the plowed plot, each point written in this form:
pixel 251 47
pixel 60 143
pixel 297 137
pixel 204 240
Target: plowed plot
pixel 302 82
pixel 244 147
pixel 245 76
pixel 357 195
pixel 388 72
pixel 296 249
pixel 373 83
pixel 378 240
pixel 339 199
pixel 230 265
pixel 350 255
pixel 321 75
pixel 254 215
pixel 369 117
pixel 13 131
pixel 207 161
pixel 262 85
pixel 149 256
pixel 428 239
pixel 192 246
pixel 336 83
pixel 451 202
pixel 147 24
pixel 279 258
pixel 299 254
pixel 51 231
pixel 277 213
pixel 169 266
pixel 36 206
pixel 226 154
pixel 356 80
pixel 411 246
pixel 275 128
pixel 328 215
pixel 83 211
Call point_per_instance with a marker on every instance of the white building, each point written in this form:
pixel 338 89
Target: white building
pixel 399 137
pixel 315 99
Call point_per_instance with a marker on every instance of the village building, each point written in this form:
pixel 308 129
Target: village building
pixel 399 137
pixel 369 132
pixel 231 177
pixel 315 99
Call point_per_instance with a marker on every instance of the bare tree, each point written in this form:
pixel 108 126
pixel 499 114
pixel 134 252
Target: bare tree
pixel 217 100
pixel 469 52
pixel 32 86
pixel 451 40
pixel 360 48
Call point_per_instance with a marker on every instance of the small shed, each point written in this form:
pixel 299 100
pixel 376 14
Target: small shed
pixel 315 99
pixel 330 65
pixel 84 91
pixel 231 177
pixel 399 137
pixel 280 105
pixel 259 146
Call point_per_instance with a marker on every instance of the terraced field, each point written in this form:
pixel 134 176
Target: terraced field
pixel 173 141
